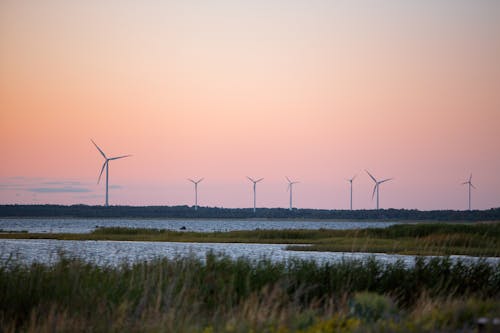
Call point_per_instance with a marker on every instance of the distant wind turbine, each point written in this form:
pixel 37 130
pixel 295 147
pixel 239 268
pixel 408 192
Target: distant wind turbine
pixel 106 165
pixel 469 182
pixel 290 189
pixel 377 186
pixel 350 181
pixel 254 191
pixel 195 182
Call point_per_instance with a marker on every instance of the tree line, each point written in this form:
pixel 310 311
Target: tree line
pixel 85 211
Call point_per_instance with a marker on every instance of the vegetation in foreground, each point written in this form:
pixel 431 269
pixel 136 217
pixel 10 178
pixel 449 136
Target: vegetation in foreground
pixel 481 239
pixel 219 294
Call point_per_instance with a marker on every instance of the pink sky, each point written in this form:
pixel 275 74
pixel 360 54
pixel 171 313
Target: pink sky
pixel 315 90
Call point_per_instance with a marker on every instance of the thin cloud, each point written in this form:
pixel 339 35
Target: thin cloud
pixel 65 189
pixel 89 196
pixel 11 187
pixel 63 183
pixel 43 185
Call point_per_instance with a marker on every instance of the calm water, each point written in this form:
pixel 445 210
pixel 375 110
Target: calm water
pixel 108 252
pixel 69 225
pixel 112 252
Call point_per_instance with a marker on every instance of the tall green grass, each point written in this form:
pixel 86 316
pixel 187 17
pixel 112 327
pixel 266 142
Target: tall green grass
pixel 225 295
pixel 491 230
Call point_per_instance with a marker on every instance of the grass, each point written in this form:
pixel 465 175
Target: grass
pixel 219 294
pixel 481 239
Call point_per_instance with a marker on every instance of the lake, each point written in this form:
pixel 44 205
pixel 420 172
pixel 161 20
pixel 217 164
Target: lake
pixel 85 225
pixel 116 252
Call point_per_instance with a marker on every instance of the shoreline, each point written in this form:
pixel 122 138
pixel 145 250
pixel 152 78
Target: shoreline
pixel 418 239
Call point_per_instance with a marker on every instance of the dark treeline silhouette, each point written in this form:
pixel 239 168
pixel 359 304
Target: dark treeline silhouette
pixel 243 213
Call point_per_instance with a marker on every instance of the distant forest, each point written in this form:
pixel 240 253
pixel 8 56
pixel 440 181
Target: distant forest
pixel 243 213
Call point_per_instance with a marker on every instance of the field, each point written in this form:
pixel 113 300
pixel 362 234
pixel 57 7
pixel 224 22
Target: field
pixel 219 294
pixel 479 239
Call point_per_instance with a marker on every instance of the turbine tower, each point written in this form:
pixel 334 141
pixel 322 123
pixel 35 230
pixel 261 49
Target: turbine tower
pixel 350 181
pixel 377 186
pixel 195 182
pixel 469 182
pixel 106 165
pixel 254 191
pixel 290 189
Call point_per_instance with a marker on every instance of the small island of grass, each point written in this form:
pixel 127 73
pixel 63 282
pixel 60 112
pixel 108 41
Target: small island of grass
pixel 480 239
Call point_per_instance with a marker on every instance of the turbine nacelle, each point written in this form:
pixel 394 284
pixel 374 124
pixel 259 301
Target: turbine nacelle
pixel 469 182
pixel 377 185
pixel 350 182
pixel 290 183
pixel 255 192
pixel 290 189
pixel 106 166
pixel 255 181
pixel 352 179
pixel 196 182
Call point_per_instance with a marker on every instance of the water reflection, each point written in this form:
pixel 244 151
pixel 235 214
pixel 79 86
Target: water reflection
pixel 114 252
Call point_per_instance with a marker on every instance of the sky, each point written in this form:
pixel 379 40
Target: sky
pixel 315 90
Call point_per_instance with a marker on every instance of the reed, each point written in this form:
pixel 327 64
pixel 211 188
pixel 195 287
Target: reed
pixel 219 294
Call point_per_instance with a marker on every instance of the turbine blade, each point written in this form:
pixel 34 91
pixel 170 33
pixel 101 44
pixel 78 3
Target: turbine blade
pixel 470 178
pixel 118 157
pixel 374 189
pixel 354 177
pixel 200 180
pixel 473 186
pixel 369 174
pixel 250 179
pixel 465 183
pixel 192 181
pixel 102 169
pixel 259 180
pixel 102 153
pixel 288 179
pixel 385 180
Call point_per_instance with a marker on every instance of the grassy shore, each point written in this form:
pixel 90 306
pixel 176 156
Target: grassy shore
pixel 415 239
pixel 219 294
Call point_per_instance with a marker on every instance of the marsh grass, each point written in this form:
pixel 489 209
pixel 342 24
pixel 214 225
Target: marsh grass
pixel 220 294
pixel 479 239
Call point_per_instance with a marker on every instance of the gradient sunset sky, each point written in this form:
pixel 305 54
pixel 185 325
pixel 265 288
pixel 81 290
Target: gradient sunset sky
pixel 316 90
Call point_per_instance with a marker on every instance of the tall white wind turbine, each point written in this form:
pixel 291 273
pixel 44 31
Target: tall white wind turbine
pixel 377 186
pixel 196 182
pixel 290 189
pixel 254 191
pixel 469 182
pixel 106 165
pixel 350 181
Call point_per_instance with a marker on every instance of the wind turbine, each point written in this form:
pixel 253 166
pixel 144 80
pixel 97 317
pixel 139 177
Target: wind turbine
pixel 254 191
pixel 290 189
pixel 469 182
pixel 377 186
pixel 106 165
pixel 195 182
pixel 350 181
